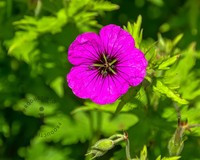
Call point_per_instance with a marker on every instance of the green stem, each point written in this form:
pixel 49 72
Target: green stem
pixel 128 156
pixel 178 135
pixel 116 136
pixel 194 125
pixel 91 142
pixel 38 8
pixel 119 139
pixel 95 128
pixel 99 123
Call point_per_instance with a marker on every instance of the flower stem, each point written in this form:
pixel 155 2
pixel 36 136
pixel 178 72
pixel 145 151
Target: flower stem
pixel 119 139
pixel 128 156
pixel 193 125
pixel 99 123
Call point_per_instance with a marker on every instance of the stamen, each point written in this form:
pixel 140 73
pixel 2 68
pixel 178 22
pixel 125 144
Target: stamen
pixel 111 63
pixel 105 65
pixel 112 70
pixel 104 57
pixel 98 65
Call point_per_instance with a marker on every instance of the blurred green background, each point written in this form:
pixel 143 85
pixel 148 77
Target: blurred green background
pixel 40 118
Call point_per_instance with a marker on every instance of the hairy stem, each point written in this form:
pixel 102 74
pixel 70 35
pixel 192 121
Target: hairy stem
pixel 128 156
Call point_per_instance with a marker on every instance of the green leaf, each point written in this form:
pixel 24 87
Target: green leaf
pixel 41 151
pixel 163 89
pixel 116 123
pixel 85 13
pixel 177 39
pixel 158 158
pixel 23 45
pixel 165 65
pixel 143 153
pixel 57 86
pixel 128 97
pixel 168 158
pixel 184 74
pixel 105 6
pixel 52 24
pixel 72 129
pixel 121 122
pixel 159 3
pixel 90 106
pixel 171 158
pixel 136 31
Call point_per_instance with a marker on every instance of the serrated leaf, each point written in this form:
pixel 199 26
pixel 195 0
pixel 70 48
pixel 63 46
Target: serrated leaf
pixel 164 65
pixel 135 30
pixel 42 151
pixel 22 46
pixel 55 23
pixel 78 129
pixel 163 89
pixel 105 6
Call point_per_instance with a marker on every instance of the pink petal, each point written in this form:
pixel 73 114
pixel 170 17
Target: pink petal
pixel 84 49
pixel 88 84
pixel 133 67
pixel 80 79
pixel 116 40
pixel 112 87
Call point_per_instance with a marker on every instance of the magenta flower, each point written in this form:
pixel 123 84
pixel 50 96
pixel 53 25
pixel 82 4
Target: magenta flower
pixel 105 65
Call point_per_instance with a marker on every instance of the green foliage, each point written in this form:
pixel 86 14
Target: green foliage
pixel 143 156
pixel 135 30
pixel 168 158
pixel 160 87
pixel 40 118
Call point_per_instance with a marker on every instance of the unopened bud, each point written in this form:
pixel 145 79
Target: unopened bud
pixel 176 143
pixel 104 144
pixel 101 147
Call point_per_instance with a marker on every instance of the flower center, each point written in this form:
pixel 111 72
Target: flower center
pixel 106 65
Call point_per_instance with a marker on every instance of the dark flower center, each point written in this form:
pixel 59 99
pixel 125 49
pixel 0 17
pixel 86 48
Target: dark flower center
pixel 106 65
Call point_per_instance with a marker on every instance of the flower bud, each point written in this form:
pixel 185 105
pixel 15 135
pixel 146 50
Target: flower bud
pixel 101 147
pixel 176 143
pixel 103 144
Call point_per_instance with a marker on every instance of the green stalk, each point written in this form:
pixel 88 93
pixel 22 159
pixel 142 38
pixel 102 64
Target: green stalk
pixel 128 155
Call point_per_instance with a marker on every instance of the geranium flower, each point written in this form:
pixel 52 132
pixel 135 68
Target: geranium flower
pixel 105 65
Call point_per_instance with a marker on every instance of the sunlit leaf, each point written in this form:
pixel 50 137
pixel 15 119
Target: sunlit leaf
pixel 136 31
pixel 168 62
pixel 160 87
